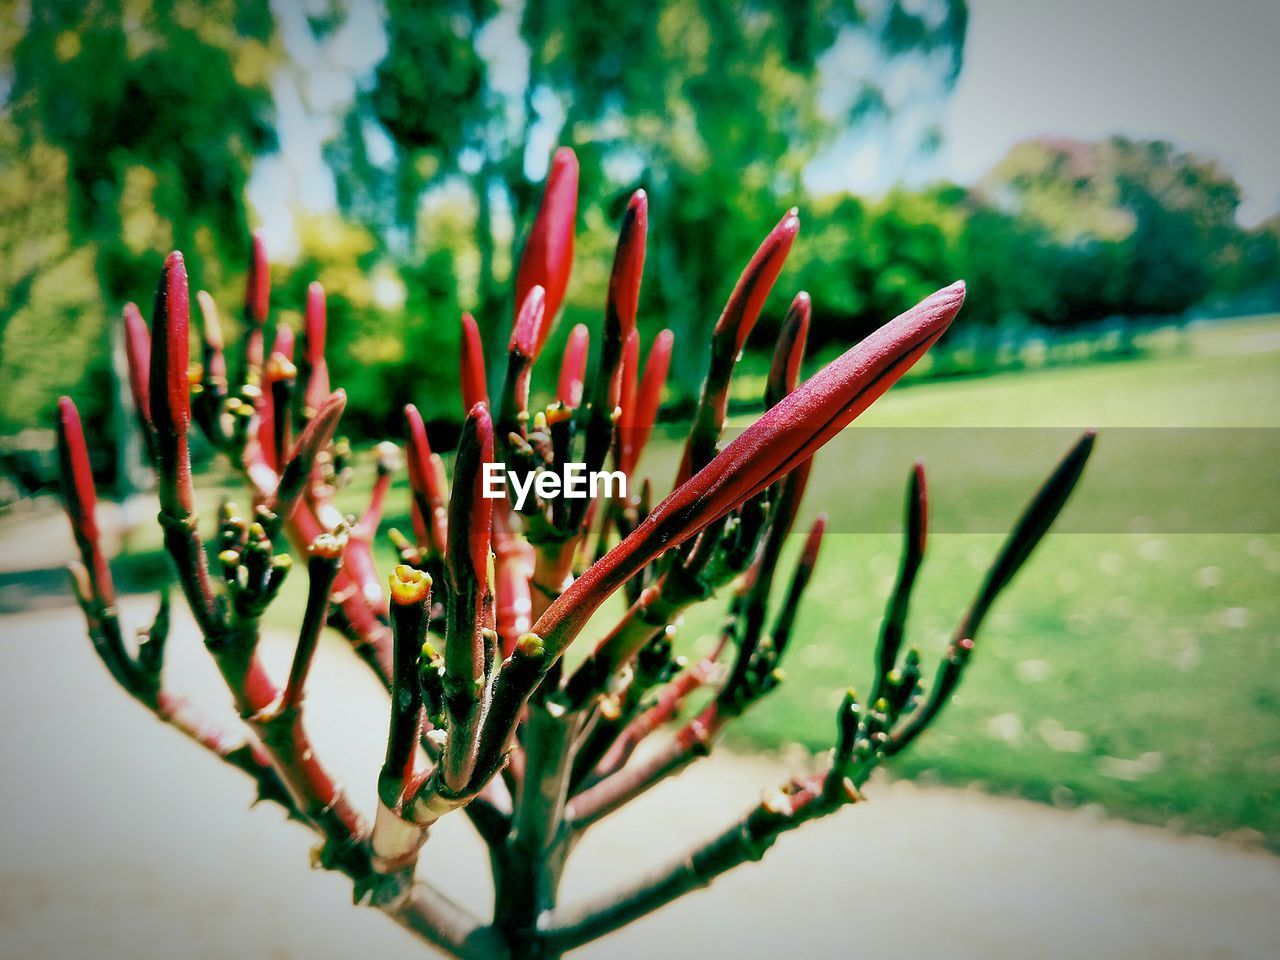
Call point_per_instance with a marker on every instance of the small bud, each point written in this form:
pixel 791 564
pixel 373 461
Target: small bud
pixel 409 585
pixel 389 457
pixel 329 545
pixel 280 367
pixel 530 645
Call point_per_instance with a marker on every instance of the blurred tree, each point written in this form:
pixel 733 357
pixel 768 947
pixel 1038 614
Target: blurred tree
pixel 710 105
pixel 129 129
pixel 1120 227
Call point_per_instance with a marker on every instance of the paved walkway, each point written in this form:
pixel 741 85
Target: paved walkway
pixel 119 840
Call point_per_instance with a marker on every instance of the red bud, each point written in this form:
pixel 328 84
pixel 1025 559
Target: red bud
pixel 315 327
pixel 257 286
pixel 169 386
pixel 80 498
pixel 628 267
pixel 429 497
pixel 629 385
pixel 474 385
pixel 757 280
pixel 649 400
pixel 731 332
pixel 548 253
pixel 470 511
pixel 784 373
pixel 573 366
pixel 137 348
pixel 780 441
pixel 283 343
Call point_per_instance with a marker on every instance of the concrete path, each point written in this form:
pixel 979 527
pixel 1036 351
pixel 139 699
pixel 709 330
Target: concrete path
pixel 120 840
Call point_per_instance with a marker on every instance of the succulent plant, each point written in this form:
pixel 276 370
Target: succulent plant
pixel 469 632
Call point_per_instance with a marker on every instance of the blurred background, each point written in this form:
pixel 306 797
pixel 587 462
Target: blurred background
pixel 1102 174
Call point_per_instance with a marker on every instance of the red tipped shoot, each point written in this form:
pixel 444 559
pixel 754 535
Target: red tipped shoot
pixel 257 285
pixel 314 330
pixel 780 441
pixel 137 348
pixel 169 384
pixel 784 372
pixel 474 385
pixel 548 253
pixel 573 366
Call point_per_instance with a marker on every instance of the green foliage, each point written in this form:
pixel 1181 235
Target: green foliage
pixel 712 109
pixel 150 114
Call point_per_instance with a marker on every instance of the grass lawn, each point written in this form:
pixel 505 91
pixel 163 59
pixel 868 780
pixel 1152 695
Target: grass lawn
pixel 1133 670
pixel 1130 665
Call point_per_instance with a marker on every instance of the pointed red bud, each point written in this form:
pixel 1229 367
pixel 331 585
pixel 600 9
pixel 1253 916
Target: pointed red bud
pixel 313 439
pixel 524 335
pixel 784 373
pixel 628 268
pixel 80 498
pixel 628 386
pixel 470 511
pixel 809 556
pixel 521 352
pixel 314 328
pixel 573 366
pixel 629 382
pixel 137 348
pixel 649 400
pixel 78 492
pixel 215 362
pixel 548 253
pixel 283 343
pixel 780 441
pixel 424 480
pixel 731 332
pixel 257 285
pixel 757 280
pixel 169 383
pixel 474 385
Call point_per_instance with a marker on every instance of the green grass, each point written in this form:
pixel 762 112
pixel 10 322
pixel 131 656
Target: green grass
pixel 1133 670
pixel 1136 671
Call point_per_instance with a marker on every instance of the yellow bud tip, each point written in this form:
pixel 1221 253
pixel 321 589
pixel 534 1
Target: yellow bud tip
pixel 428 650
pixel 282 561
pixel 280 367
pixel 558 414
pixel 257 532
pixel 530 645
pixel 228 558
pixel 409 585
pixel 540 422
pixel 329 545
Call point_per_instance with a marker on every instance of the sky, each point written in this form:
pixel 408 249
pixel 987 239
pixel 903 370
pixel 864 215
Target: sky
pixel 1203 74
